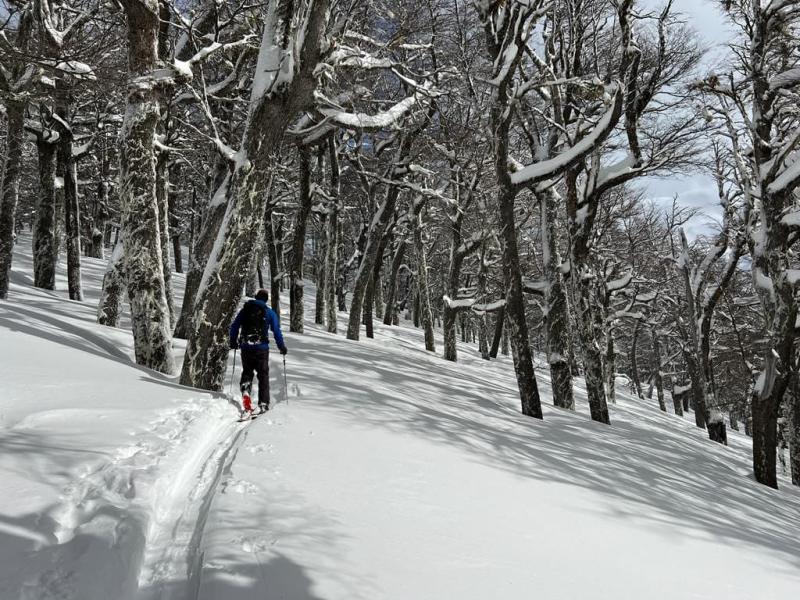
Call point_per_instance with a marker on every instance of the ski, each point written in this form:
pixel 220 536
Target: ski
pixel 244 417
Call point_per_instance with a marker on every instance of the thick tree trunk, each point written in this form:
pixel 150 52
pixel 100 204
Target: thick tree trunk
pixel 450 313
pixel 769 392
pixel 110 305
pixel 9 189
pixel 202 250
pixel 516 321
pixel 557 319
pixel 45 249
pixel 765 440
pixel 793 428
pixel 67 171
pixel 142 263
pixel 296 309
pixel 14 142
pixel 590 349
pixel 269 115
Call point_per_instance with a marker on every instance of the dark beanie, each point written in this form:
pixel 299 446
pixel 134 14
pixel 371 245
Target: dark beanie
pixel 262 295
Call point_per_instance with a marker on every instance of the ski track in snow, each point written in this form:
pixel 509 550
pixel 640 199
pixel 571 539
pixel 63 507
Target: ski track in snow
pixel 180 468
pixel 173 549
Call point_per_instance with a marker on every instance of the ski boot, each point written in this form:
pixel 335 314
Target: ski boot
pixel 247 404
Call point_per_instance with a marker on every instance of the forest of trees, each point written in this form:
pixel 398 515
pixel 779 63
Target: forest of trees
pixel 474 165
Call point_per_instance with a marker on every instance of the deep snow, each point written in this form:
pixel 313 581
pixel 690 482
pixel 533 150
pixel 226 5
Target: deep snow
pixel 388 474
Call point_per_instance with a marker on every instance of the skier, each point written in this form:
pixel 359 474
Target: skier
pixel 250 333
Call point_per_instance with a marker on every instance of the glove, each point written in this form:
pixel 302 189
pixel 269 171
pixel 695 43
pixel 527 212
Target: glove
pixel 234 345
pixel 283 350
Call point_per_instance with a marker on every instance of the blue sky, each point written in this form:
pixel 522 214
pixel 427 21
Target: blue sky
pixel 695 190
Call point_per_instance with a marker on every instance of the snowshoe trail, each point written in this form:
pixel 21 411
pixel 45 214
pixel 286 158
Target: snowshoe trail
pixel 130 528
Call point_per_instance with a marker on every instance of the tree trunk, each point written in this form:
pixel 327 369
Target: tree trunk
pixel 270 113
pixel 45 249
pixel 637 384
pixel 175 230
pixel 332 245
pixel 769 393
pixel 321 276
pixel 499 321
pixel 368 307
pixel 162 199
pixel 296 309
pixel 274 263
pixel 377 292
pixel 200 253
pixel 557 317
pixel 422 278
pixel 793 432
pixel 450 313
pixel 67 171
pixel 391 287
pixel 659 381
pixel 610 366
pixel 9 190
pixel 592 361
pixel 765 440
pixel 516 321
pixel 110 305
pixel 142 263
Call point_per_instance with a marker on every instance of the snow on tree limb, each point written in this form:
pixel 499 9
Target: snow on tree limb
pixel 787 79
pixel 550 168
pixel 787 181
pixel 389 118
pixel 537 287
pixel 620 283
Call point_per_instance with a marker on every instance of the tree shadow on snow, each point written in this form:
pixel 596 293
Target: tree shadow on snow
pixel 277 579
pixel 645 458
pixel 55 327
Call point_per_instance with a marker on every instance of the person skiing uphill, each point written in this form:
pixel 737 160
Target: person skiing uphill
pixel 250 333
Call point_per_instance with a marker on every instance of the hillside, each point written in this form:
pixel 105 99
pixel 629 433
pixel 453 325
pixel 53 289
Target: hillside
pixel 387 473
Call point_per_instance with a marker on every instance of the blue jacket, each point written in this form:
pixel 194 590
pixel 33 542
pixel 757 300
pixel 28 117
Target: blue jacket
pixel 271 321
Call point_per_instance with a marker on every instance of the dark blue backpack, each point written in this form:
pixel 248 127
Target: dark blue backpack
pixel 254 324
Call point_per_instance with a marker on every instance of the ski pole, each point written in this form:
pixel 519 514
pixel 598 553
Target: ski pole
pixel 233 373
pixel 285 386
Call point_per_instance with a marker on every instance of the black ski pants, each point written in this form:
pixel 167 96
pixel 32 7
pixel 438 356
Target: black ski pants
pixel 255 361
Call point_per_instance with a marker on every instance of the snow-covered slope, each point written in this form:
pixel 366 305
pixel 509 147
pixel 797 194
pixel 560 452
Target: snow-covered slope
pixel 387 473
